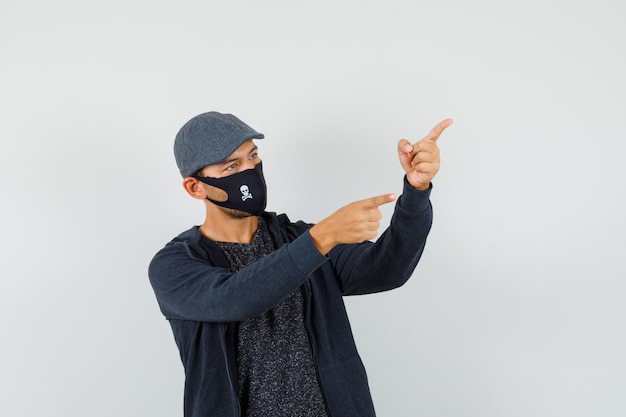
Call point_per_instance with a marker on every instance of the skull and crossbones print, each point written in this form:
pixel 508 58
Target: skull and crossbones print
pixel 245 192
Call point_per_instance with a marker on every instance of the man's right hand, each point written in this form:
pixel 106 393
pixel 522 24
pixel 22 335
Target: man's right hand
pixel 354 223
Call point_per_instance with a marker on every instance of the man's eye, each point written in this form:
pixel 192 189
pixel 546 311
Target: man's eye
pixel 254 156
pixel 231 167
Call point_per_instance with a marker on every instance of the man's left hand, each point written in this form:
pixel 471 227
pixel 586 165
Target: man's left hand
pixel 421 160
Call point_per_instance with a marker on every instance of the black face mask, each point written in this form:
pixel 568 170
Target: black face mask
pixel 246 190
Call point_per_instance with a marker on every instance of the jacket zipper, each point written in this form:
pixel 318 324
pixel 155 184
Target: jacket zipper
pixel 307 327
pixel 228 339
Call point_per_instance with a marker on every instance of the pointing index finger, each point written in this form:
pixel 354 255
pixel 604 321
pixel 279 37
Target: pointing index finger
pixel 374 202
pixel 436 131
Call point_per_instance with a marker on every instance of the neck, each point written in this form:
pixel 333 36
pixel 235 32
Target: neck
pixel 221 226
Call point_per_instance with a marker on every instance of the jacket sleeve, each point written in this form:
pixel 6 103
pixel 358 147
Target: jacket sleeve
pixel 188 287
pixel 390 261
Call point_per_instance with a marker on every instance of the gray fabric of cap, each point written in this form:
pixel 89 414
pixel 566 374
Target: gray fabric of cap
pixel 208 139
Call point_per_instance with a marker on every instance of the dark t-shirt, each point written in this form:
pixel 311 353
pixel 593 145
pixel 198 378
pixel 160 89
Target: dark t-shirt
pixel 275 368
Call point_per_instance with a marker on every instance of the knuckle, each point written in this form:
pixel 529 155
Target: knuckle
pixel 421 168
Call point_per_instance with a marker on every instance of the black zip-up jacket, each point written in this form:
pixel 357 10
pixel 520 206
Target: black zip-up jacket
pixel 202 298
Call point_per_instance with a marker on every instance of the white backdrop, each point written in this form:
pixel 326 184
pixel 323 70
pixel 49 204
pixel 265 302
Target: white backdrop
pixel 517 306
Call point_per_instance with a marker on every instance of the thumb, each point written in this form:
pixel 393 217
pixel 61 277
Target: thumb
pixel 436 131
pixel 374 202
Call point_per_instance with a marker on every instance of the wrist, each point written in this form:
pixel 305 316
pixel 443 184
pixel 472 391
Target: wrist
pixel 322 241
pixel 418 186
pixel 421 187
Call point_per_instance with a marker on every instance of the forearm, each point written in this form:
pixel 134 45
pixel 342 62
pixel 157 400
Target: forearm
pixel 192 289
pixel 391 260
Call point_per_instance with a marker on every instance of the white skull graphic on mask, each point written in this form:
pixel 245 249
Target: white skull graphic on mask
pixel 245 192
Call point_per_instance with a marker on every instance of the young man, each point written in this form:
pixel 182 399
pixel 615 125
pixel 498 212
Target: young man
pixel 255 300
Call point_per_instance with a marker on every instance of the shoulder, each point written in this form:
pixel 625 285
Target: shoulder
pixel 189 235
pixel 186 245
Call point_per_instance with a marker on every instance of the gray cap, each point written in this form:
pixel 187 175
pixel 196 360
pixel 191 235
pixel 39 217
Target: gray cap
pixel 208 139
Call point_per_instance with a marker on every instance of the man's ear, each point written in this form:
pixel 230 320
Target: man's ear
pixel 194 188
pixel 200 191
